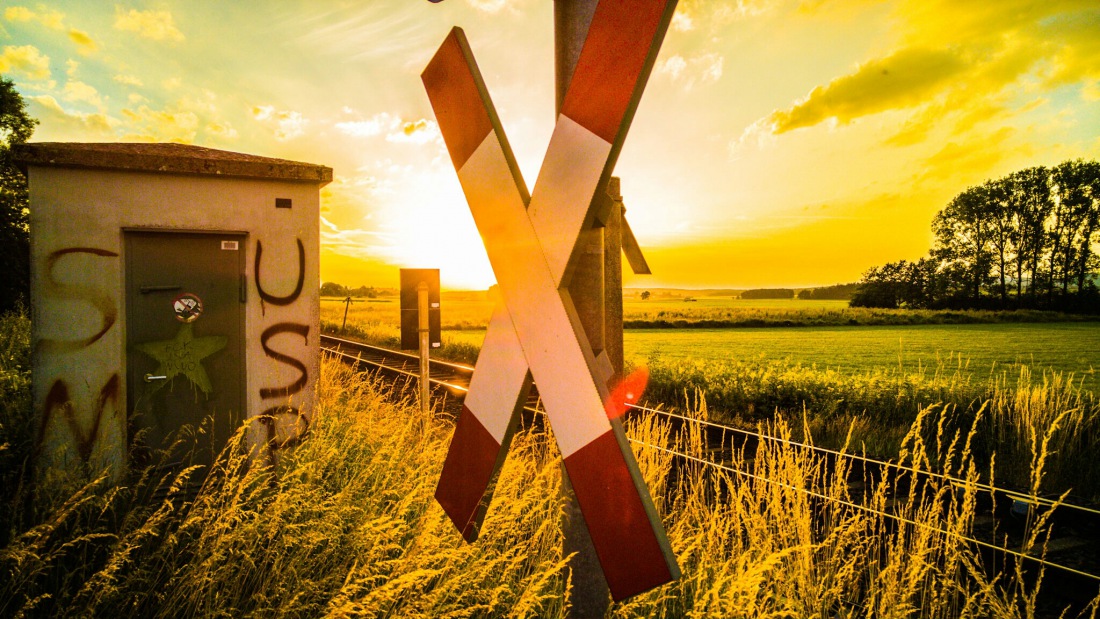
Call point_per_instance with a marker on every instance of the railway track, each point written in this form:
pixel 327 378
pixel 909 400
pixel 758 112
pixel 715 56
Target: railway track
pixel 1073 549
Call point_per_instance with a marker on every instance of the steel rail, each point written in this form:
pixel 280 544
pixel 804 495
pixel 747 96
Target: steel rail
pixel 954 481
pixel 390 368
pixel 1012 494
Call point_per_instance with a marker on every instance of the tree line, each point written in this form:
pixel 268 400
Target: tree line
pixel 332 289
pixel 837 292
pixel 16 127
pixel 1027 240
pixel 768 293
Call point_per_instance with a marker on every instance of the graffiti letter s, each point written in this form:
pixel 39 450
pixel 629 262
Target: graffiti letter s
pixel 296 386
pixel 90 294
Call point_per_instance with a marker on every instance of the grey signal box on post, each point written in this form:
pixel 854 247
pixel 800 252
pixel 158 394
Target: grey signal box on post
pixel 410 316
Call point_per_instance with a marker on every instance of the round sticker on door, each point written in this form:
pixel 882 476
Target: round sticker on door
pixel 188 307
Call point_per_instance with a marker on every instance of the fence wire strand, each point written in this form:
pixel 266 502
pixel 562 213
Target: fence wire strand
pixel 869 510
pixel 956 482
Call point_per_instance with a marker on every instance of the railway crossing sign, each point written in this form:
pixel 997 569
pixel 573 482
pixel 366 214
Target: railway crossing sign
pixel 531 241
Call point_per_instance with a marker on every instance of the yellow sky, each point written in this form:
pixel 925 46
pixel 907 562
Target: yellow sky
pixel 778 143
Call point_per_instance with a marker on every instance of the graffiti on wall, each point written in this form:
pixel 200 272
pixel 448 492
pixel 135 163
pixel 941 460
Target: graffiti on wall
pixel 84 429
pixel 83 425
pixel 286 416
pixel 91 295
pixel 267 297
pixel 58 402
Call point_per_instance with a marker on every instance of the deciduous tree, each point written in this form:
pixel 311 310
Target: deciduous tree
pixel 16 127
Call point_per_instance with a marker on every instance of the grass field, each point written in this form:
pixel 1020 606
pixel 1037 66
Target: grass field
pixel 873 381
pixel 471 310
pixel 974 350
pixel 344 525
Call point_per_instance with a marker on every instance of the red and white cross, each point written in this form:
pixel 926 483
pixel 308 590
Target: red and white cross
pixel 532 243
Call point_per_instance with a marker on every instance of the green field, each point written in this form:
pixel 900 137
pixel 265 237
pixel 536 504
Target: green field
pixel 855 376
pixel 973 350
pixel 705 304
pixel 471 310
pixel 977 350
pixel 345 524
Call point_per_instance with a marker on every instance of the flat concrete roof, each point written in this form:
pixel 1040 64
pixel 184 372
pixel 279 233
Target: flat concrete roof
pixel 166 159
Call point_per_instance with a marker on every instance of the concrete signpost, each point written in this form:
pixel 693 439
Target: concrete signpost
pixel 533 243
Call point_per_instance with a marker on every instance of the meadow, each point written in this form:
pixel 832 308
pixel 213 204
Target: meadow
pixel 345 525
pixel 865 384
pixel 463 310
pixel 976 350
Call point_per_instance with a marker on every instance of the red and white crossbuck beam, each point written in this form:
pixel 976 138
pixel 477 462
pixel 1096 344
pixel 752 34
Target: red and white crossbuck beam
pixel 532 246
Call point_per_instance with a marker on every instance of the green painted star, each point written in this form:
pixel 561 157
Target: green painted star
pixel 183 354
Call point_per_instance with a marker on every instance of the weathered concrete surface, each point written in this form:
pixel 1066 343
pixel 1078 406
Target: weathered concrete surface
pixel 167 159
pixel 83 198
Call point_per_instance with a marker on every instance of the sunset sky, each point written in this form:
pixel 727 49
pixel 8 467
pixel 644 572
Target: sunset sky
pixel 779 143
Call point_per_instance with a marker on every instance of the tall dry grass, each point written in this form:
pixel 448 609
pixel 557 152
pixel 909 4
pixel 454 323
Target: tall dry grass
pixel 16 425
pixel 790 539
pixel 344 524
pixel 878 408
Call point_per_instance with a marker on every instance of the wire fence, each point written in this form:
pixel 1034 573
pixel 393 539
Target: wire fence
pixel 955 481
pixel 719 466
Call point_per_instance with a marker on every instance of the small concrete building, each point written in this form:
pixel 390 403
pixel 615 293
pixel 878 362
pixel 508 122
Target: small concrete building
pixel 171 286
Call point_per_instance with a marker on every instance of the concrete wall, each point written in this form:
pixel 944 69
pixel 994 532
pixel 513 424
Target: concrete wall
pixel 78 301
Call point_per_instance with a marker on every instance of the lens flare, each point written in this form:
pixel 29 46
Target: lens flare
pixel 627 393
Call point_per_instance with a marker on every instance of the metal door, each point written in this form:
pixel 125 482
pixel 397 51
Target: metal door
pixel 185 343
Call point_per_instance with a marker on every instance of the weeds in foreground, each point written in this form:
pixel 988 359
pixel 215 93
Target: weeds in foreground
pixel 878 408
pixel 16 424
pixel 345 525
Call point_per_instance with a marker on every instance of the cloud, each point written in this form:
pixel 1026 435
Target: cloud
pixel 18 14
pixel 77 91
pixel 84 43
pixel 673 66
pixel 25 60
pixel 221 129
pixel 128 80
pixel 395 129
pixel 699 69
pixel 287 124
pixel 151 125
pixel 155 25
pixel 906 78
pixel 52 19
pixel 75 125
pixel 682 22
pixel 953 61
pixel 692 14
pixel 489 6
pixel 415 132
pixel 972 158
pixel 1078 60
pixel 355 242
pixel 366 128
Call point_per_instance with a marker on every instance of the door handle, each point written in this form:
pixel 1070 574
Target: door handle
pixel 150 378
